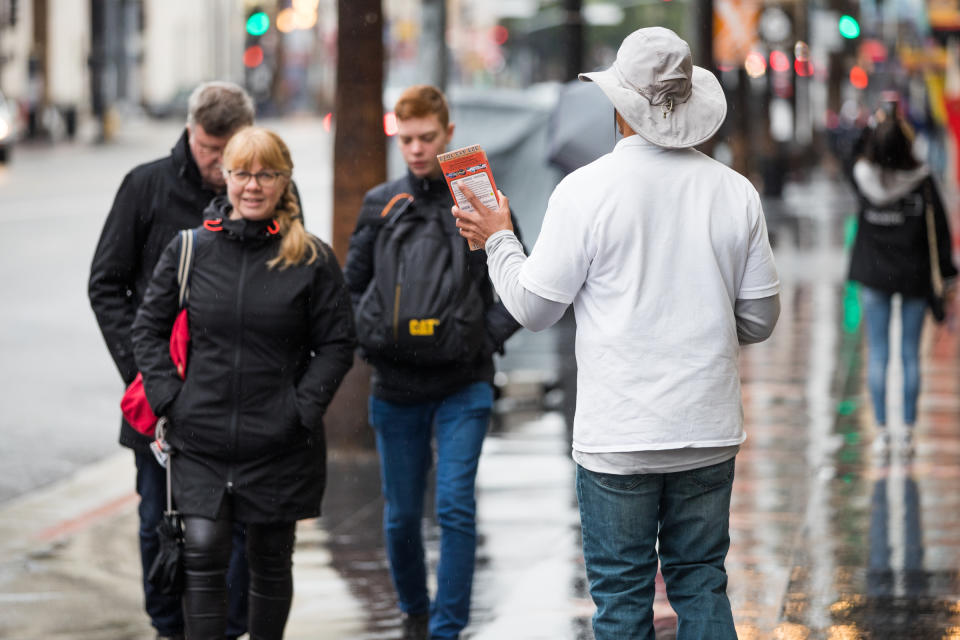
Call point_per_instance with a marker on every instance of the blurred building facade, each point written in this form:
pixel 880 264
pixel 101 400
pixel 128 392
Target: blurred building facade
pixel 66 62
pixel 184 42
pixel 797 72
pixel 32 34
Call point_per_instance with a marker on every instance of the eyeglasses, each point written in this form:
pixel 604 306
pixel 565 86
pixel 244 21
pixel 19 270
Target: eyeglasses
pixel 263 178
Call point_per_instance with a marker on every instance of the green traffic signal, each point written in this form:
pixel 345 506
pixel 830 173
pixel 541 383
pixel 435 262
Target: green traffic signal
pixel 849 27
pixel 258 23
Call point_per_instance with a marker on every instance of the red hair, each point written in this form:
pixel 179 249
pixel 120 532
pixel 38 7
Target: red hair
pixel 421 101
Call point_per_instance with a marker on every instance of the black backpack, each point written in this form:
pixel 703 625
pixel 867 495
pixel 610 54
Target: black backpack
pixel 421 306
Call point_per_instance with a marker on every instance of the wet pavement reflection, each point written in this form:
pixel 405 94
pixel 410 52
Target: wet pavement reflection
pixel 828 540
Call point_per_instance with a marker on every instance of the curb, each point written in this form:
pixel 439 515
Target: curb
pixel 40 519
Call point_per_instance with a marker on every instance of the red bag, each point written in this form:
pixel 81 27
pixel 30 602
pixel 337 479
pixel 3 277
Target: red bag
pixel 136 410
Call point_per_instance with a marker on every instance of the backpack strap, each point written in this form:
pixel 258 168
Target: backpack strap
pixel 187 237
pixel 396 206
pixel 458 260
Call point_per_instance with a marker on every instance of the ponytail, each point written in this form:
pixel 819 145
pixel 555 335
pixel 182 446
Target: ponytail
pixel 297 246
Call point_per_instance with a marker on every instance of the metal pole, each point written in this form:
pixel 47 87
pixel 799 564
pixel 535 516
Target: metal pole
pixel 4 24
pixel 704 51
pixel 433 43
pixel 573 36
pixel 97 63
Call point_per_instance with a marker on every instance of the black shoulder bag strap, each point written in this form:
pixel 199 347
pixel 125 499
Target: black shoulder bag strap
pixel 187 238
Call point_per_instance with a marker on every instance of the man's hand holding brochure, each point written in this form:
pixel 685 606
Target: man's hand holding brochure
pixel 481 209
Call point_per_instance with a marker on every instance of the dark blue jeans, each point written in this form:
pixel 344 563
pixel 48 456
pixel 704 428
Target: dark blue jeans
pixel 622 518
pixel 404 433
pixel 166 614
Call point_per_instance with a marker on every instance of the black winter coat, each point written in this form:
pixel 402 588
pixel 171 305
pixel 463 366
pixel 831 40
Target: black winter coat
pixel 404 383
pixel 268 349
pixel 154 202
pixel 891 251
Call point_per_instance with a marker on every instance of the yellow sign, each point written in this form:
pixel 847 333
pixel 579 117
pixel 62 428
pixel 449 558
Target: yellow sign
pixel 423 327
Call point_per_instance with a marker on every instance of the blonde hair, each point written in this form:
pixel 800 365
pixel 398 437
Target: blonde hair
pixel 251 144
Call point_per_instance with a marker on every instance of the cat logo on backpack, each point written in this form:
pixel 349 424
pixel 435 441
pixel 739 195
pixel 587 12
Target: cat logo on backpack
pixel 423 327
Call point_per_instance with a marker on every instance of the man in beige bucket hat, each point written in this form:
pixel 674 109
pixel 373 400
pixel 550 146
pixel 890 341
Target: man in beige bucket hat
pixel 663 253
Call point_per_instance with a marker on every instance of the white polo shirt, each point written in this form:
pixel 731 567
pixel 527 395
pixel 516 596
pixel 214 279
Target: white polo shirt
pixel 653 247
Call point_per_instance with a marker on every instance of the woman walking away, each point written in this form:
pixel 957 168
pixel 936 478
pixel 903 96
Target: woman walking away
pixel 271 339
pixel 891 255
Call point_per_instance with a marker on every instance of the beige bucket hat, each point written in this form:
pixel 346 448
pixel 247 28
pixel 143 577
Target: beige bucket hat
pixel 656 88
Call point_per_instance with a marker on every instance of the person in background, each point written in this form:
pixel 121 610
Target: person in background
pixel 272 336
pixel 663 253
pixel 413 404
pixel 891 257
pixel 154 202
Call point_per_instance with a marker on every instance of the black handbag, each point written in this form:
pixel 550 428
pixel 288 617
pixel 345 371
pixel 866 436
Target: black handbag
pixel 937 307
pixel 935 299
pixel 166 572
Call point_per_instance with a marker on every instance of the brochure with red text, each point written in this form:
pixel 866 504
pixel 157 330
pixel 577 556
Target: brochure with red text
pixel 469 166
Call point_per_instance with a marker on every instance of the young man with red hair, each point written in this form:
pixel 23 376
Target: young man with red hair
pixel 419 397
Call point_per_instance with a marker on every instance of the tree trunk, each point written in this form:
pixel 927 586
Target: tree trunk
pixel 573 39
pixel 359 148
pixel 360 163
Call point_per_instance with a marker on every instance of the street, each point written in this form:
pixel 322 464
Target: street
pixel 828 541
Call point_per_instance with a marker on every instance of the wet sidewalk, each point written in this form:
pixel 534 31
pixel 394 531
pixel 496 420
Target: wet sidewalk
pixel 828 540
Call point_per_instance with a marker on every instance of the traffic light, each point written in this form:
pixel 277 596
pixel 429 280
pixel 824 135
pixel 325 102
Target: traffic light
pixel 859 77
pixel 259 57
pixel 253 56
pixel 258 23
pixel 849 27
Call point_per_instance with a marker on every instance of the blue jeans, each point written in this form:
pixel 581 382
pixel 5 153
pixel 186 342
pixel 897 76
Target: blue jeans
pixel 913 311
pixel 622 517
pixel 166 614
pixel 404 433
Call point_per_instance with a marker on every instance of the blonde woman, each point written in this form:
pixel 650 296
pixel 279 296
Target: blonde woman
pixel 271 339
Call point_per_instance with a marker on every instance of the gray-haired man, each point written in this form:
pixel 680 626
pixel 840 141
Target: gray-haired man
pixel 154 202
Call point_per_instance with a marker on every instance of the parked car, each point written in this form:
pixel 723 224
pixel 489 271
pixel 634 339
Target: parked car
pixel 8 128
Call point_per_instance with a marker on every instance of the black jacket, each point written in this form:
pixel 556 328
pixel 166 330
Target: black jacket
pixel 154 202
pixel 402 382
pixel 891 251
pixel 268 348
